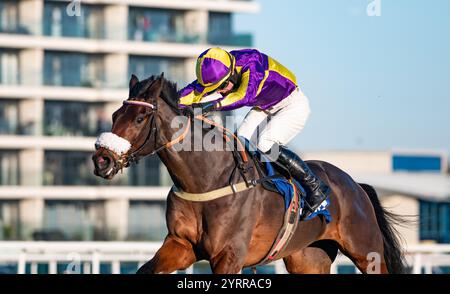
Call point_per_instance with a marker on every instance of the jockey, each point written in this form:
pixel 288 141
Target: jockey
pixel 250 78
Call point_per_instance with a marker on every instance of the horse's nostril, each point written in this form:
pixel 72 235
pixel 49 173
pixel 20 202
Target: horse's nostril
pixel 103 162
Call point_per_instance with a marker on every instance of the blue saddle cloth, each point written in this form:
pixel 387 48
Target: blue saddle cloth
pixel 286 190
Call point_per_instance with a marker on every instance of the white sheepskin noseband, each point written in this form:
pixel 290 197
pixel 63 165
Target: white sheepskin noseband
pixel 113 142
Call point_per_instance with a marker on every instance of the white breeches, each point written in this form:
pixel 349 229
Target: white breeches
pixel 278 124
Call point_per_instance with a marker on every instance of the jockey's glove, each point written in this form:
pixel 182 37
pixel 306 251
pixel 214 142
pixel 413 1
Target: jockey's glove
pixel 207 106
pixel 188 111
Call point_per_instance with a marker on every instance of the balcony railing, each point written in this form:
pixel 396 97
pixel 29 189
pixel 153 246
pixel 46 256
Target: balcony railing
pixel 17 30
pixel 138 35
pixel 238 40
pixel 10 128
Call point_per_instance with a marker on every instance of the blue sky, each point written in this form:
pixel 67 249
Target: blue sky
pixel 373 82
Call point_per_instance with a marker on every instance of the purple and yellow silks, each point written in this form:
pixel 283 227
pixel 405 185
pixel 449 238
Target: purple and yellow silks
pixel 264 81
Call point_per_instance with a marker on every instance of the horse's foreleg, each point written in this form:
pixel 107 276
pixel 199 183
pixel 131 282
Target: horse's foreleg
pixel 229 261
pixel 174 254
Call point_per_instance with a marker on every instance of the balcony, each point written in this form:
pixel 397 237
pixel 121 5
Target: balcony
pixel 90 24
pixel 64 118
pixel 9 117
pixel 236 40
pixel 158 25
pixel 9 220
pixel 73 70
pixel 9 67
pixel 144 66
pixel 148 21
pixel 9 19
pixel 9 168
pixel 74 220
pixel 73 168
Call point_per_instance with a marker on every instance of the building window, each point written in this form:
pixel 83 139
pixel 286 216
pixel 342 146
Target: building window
pixel 157 25
pixel 146 221
pixel 90 24
pixel 145 67
pixel 9 67
pixel 220 31
pixel 146 173
pixel 9 117
pixel 74 168
pixel 9 18
pixel 9 220
pixel 9 168
pixel 74 220
pixel 435 221
pixel 73 69
pixel 64 118
pixel 417 163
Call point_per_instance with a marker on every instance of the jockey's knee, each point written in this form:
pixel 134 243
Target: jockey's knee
pixel 270 148
pixel 246 132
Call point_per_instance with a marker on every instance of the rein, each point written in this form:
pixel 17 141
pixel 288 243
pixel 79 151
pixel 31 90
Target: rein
pixel 133 157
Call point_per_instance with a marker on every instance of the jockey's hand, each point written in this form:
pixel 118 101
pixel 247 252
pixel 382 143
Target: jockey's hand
pixel 207 106
pixel 188 111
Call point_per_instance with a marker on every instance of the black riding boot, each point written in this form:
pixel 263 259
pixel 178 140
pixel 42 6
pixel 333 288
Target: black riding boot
pixel 317 190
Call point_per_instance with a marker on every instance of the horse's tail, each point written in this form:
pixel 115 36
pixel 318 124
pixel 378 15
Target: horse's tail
pixel 392 248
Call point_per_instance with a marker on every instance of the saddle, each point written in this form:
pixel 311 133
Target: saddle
pixel 272 176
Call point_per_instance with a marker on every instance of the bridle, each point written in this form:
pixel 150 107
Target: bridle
pixel 133 157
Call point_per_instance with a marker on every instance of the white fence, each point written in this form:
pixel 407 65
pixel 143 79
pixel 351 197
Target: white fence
pixel 87 257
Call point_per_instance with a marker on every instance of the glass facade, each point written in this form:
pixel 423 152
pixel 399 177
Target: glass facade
pixel 9 18
pixel 75 168
pixel 158 25
pixel 72 168
pixel 145 66
pixel 57 23
pixel 73 69
pixel 221 31
pixel 146 173
pixel 219 28
pixel 74 220
pixel 147 221
pixel 9 167
pixel 63 118
pixel 9 67
pixel 9 220
pixel 9 117
pixel 435 221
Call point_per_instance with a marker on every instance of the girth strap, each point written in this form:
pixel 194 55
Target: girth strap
pixel 211 195
pixel 286 233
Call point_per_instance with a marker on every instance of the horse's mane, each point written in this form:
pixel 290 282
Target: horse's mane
pixel 169 91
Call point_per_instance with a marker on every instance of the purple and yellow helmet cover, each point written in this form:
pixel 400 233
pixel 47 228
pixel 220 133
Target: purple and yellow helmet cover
pixel 214 67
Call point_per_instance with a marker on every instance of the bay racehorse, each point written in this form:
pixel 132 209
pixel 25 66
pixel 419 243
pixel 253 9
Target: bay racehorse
pixel 238 230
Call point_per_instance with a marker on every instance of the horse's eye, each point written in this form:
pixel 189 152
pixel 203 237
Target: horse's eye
pixel 139 119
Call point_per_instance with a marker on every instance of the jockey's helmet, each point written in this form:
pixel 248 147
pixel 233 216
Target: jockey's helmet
pixel 214 67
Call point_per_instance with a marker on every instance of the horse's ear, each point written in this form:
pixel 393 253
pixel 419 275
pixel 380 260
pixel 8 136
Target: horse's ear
pixel 156 87
pixel 133 81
